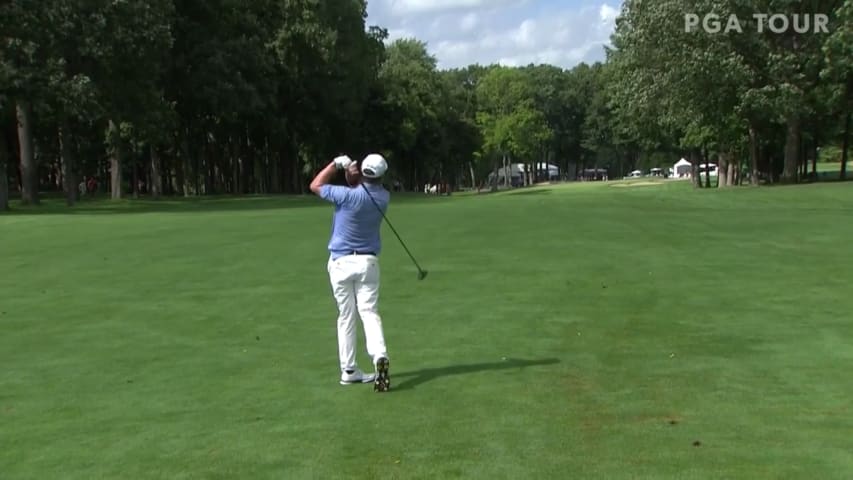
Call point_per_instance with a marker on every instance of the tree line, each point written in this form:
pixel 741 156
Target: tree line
pixel 203 97
pixel 761 101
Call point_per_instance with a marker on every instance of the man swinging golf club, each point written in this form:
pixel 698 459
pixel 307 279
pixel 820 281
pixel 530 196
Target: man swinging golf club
pixel 353 264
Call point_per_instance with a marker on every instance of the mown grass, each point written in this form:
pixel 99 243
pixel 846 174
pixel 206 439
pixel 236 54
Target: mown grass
pixel 574 331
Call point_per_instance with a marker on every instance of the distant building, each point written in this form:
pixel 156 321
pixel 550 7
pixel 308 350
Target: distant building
pixel 544 173
pixel 682 169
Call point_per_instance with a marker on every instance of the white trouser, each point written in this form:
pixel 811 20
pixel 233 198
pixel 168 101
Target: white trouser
pixel 355 285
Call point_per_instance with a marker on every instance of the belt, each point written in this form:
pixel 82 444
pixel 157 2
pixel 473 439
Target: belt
pixel 373 254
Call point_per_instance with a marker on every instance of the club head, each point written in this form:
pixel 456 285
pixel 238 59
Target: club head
pixel 422 274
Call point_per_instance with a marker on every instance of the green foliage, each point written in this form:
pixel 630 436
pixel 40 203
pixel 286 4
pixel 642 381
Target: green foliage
pixel 511 117
pixel 245 97
pixel 830 154
pixel 701 91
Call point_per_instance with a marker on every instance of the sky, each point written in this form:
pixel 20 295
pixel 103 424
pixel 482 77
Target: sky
pixel 508 32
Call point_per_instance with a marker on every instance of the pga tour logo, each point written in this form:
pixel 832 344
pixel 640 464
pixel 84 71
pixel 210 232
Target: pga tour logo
pixel 776 23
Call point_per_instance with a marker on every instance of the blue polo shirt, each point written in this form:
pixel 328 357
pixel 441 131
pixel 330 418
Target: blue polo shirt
pixel 356 221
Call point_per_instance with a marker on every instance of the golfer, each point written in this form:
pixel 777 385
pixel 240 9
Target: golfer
pixel 353 264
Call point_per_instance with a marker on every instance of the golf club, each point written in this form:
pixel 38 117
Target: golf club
pixel 421 272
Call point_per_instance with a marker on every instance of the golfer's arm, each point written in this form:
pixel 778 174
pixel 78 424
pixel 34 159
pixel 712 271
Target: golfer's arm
pixel 324 177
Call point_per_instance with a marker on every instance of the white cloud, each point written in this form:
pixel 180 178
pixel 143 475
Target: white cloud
pixel 525 35
pixel 507 32
pixel 397 33
pixel 469 22
pixel 404 7
pixel 454 53
pixel 608 13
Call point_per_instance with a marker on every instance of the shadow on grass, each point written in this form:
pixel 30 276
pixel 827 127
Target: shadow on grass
pixel 418 377
pixel 103 205
pixel 535 191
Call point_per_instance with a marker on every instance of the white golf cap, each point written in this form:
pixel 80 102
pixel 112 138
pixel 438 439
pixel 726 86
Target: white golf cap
pixel 374 166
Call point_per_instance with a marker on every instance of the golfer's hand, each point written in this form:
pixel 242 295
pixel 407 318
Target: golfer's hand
pixel 342 162
pixel 353 175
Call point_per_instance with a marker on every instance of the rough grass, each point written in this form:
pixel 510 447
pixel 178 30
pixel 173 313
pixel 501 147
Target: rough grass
pixel 563 332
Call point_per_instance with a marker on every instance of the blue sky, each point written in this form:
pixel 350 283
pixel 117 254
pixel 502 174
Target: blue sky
pixel 509 32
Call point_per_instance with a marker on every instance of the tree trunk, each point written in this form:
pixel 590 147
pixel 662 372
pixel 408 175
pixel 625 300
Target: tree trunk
pixel 66 148
pixel 706 160
pixel 134 184
pixel 298 185
pixel 694 170
pixel 792 150
pixel 4 186
pixel 155 187
pixel 845 146
pixel 236 161
pixel 738 173
pixel 195 171
pixel 237 176
pixel 247 170
pixel 508 172
pixel 29 170
pixel 181 183
pixel 753 156
pixel 771 169
pixel 494 183
pixel 473 176
pixel 260 170
pixel 249 183
pixel 274 174
pixel 207 166
pixel 723 170
pixel 4 182
pixel 815 153
pixel 115 163
pixel 732 168
pixel 115 175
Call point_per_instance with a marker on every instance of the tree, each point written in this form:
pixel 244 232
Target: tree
pixel 598 130
pixel 505 100
pixel 28 60
pixel 838 69
pixel 4 161
pixel 130 58
pixel 410 88
pixel 718 91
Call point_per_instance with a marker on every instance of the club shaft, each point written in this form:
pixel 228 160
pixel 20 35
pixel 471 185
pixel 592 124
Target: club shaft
pixel 392 227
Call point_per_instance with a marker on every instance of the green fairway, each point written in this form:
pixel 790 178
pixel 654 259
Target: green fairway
pixel 567 331
pixel 833 168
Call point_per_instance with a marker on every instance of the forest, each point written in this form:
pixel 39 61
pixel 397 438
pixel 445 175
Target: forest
pixel 211 97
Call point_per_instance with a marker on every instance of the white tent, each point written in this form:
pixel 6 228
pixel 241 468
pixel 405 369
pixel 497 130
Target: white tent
pixel 710 169
pixel 682 169
pixel 544 170
pixel 516 170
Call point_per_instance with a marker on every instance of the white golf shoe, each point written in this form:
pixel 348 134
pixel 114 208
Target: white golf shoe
pixel 350 377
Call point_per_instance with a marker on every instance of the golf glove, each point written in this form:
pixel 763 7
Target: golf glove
pixel 342 162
